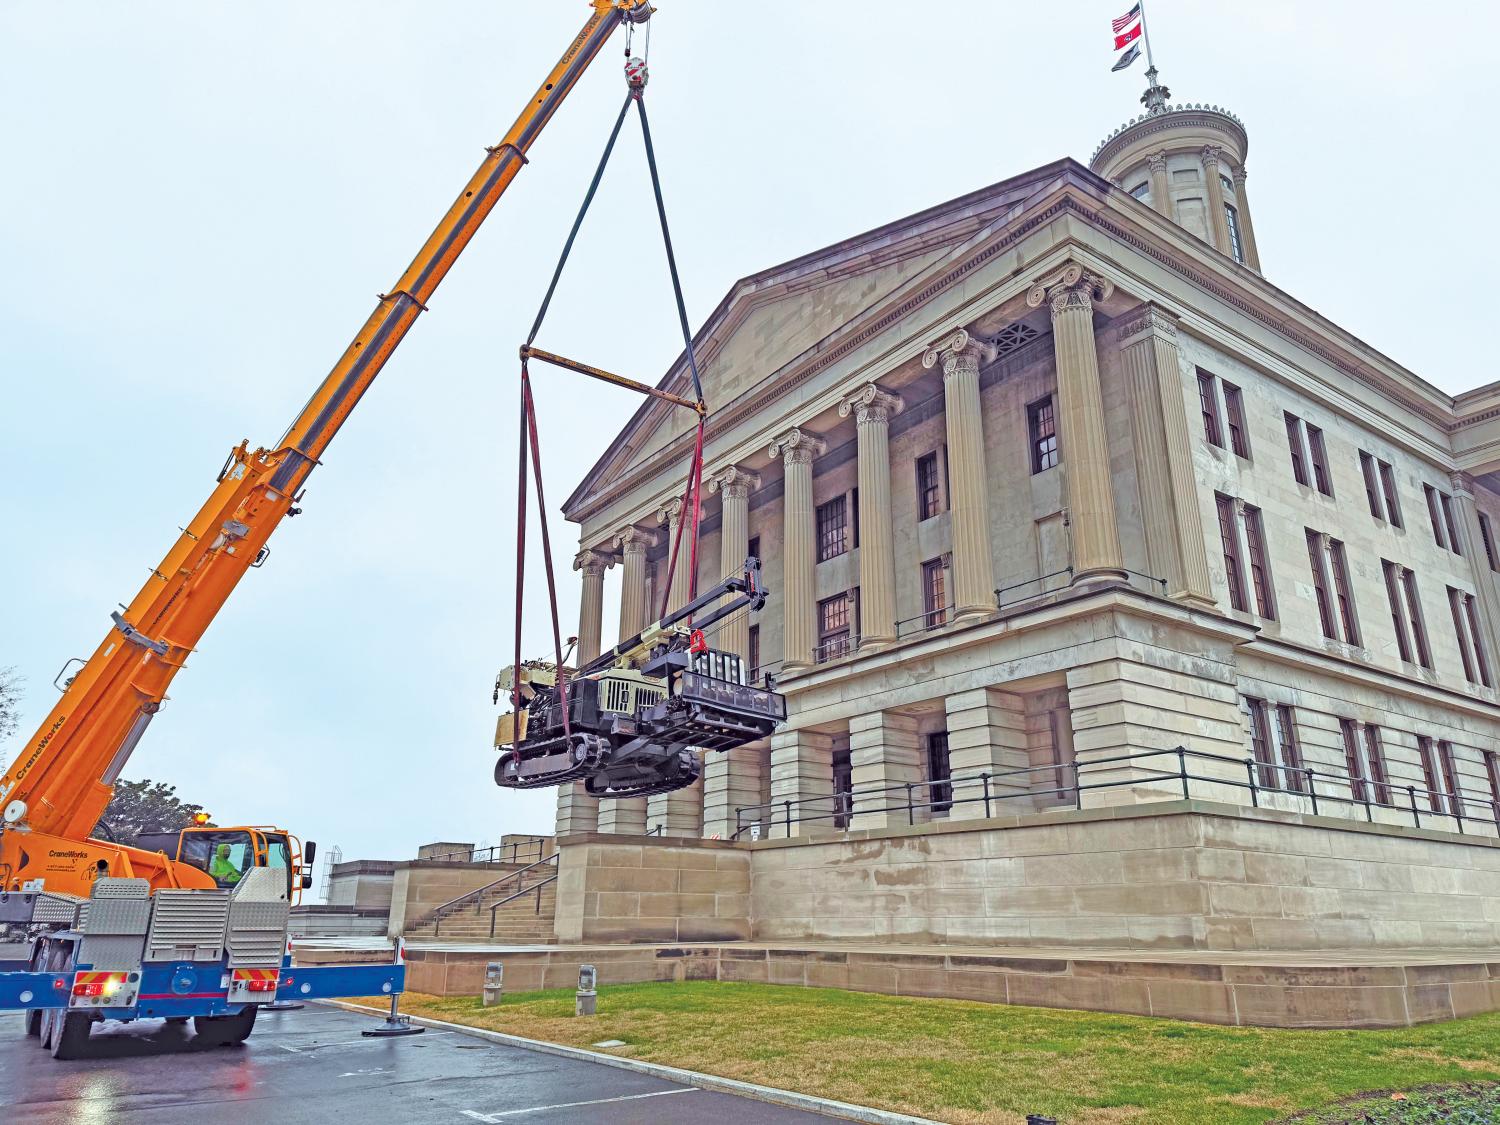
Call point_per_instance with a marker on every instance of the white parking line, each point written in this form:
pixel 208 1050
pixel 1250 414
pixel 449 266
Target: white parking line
pixel 493 1117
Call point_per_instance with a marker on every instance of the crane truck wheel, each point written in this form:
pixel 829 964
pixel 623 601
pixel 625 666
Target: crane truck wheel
pixel 34 1023
pixel 70 1035
pixel 225 1031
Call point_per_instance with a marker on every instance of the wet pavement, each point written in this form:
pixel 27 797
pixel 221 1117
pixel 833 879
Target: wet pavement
pixel 314 1066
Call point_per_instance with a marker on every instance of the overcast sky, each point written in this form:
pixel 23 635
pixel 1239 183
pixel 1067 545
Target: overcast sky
pixel 200 201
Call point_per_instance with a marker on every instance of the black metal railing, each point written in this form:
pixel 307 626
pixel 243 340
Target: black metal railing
pixel 517 851
pixel 474 898
pixel 494 907
pixel 1342 794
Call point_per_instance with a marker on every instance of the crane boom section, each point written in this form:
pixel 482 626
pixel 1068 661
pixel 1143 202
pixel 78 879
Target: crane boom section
pixel 61 781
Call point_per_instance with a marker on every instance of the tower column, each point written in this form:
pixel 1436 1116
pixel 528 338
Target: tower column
pixel 629 816
pixel 1164 456
pixel 1086 469
pixel 1247 228
pixel 732 780
pixel 797 449
pixel 576 810
pixel 973 560
pixel 1161 189
pixel 680 812
pixel 1217 221
pixel 872 407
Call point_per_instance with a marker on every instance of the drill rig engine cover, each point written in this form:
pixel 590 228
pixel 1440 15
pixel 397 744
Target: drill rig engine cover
pixel 638 716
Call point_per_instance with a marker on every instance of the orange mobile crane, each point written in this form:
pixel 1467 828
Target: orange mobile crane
pixel 52 795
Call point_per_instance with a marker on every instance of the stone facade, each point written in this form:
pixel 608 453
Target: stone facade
pixel 1047 482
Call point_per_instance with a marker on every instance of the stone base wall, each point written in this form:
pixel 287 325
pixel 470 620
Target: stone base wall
pixel 1174 875
pixel 421 885
pixel 637 889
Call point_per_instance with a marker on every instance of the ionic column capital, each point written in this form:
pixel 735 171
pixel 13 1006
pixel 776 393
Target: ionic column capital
pixel 634 541
pixel 1462 483
pixel 593 563
pixel 669 511
pixel 872 403
pixel 1157 162
pixel 1070 288
pixel 959 352
pixel 798 447
pixel 734 482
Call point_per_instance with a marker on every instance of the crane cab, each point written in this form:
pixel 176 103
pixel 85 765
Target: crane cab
pixel 226 855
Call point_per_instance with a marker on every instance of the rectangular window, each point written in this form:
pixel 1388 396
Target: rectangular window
pixel 1430 773
pixel 1260 744
pixel 1291 753
pixel 1260 566
pixel 1343 591
pixel 939 773
pixel 1450 778
pixel 1492 771
pixel 833 528
pixel 1447 504
pixel 934 594
pixel 1234 410
pixel 753 656
pixel 1372 485
pixel 1041 423
pixel 1294 440
pixel 1232 217
pixel 753 550
pixel 1142 191
pixel 1208 403
pixel 1375 764
pixel 1388 489
pixel 1435 515
pixel 843 782
pixel 1319 454
pixel 1229 541
pixel 1470 642
pixel 1320 584
pixel 1414 616
pixel 929 486
pixel 1487 536
pixel 833 627
pixel 1357 788
pixel 1398 615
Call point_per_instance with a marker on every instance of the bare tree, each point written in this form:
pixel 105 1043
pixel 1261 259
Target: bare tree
pixel 10 702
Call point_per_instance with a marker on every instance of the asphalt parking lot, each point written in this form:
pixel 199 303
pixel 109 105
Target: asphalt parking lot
pixel 314 1066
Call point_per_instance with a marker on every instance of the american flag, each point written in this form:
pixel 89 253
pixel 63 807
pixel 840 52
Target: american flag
pixel 1127 19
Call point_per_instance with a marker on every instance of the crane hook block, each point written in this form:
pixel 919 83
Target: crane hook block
pixel 636 73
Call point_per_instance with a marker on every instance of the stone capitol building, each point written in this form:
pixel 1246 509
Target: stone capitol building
pixel 1119 598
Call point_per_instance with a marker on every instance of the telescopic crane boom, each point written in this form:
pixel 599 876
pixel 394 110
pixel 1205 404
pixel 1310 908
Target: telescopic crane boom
pixel 54 792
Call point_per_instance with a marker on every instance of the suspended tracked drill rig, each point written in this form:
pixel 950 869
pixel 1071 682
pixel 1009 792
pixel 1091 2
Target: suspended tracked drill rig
pixel 632 722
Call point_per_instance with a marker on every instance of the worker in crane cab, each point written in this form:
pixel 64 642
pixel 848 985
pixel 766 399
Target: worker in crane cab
pixel 223 868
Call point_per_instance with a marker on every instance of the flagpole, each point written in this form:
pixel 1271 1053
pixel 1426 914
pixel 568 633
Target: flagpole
pixel 1146 35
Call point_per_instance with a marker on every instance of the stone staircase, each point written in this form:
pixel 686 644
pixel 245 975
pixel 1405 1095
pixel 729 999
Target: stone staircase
pixel 528 905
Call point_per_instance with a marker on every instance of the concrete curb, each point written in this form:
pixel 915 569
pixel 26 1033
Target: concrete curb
pixel 789 1098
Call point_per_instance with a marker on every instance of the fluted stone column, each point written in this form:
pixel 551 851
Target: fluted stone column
pixel 1217 222
pixel 680 812
pixel 1173 521
pixel 873 407
pixel 797 449
pixel 732 780
pixel 1247 228
pixel 629 816
pixel 576 810
pixel 969 503
pixel 1085 445
pixel 987 734
pixel 802 774
pixel 1161 189
pixel 1472 542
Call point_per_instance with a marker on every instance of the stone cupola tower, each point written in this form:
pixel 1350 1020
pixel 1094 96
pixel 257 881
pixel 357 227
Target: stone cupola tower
pixel 1188 162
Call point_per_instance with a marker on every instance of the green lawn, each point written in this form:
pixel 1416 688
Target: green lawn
pixel 968 1063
